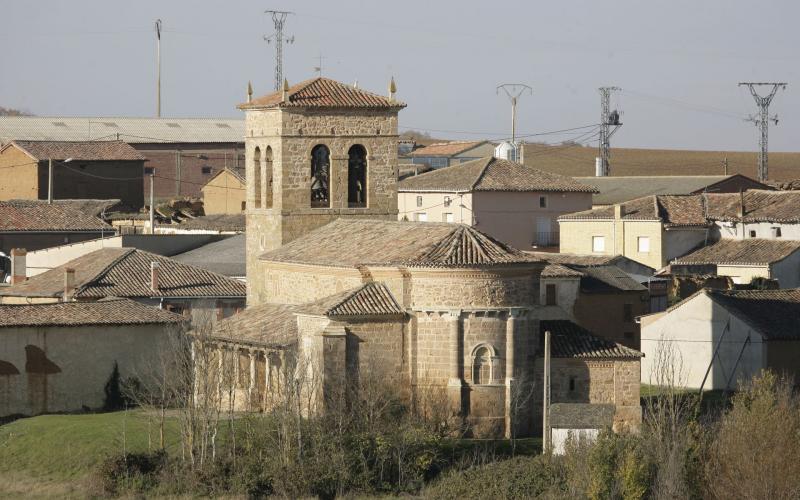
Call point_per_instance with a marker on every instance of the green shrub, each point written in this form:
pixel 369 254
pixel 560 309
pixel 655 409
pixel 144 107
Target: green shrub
pixel 131 472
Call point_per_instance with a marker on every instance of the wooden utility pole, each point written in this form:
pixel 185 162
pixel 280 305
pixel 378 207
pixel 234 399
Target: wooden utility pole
pixel 546 437
pixel 152 204
pixel 50 180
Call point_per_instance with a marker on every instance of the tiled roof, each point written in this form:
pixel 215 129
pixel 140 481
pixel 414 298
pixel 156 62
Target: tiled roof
pixel 226 257
pixel 672 211
pixel 575 259
pixel 604 278
pixel 749 251
pixel 323 93
pixel 491 174
pixel 79 150
pixel 370 299
pixel 266 324
pixel 102 312
pixel 125 272
pixel 446 148
pixel 568 340
pixel 219 222
pixel 61 215
pixel 613 190
pixel 130 130
pixel 559 271
pixel 759 206
pixel 772 313
pixel 353 242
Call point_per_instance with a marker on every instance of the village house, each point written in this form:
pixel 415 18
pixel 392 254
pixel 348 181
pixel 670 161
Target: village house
pixel 224 193
pixel 513 203
pixel 755 214
pixel 445 154
pixel 148 278
pixel 341 291
pixel 715 338
pixel 59 357
pixel 80 170
pixel 183 153
pixel 619 189
pixel 223 224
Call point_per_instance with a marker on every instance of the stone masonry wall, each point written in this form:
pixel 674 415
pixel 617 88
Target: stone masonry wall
pixel 471 289
pixel 301 285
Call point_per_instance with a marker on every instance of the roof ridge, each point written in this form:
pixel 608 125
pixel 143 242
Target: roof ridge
pixel 348 296
pixel 489 161
pixel 123 255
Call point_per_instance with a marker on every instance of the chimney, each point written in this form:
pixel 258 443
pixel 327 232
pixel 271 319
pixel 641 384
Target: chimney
pixel 249 92
pixel 18 266
pixel 740 211
pixel 392 89
pixel 285 95
pixel 154 276
pixel 619 211
pixel 69 284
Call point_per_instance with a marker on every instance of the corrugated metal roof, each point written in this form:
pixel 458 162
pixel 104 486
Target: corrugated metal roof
pixel 131 130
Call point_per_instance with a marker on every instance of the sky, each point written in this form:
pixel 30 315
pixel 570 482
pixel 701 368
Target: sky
pixel 678 62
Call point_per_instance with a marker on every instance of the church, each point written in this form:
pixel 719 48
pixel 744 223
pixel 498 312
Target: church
pixel 339 287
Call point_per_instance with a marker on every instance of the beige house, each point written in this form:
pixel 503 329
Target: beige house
pixel 340 292
pixel 652 230
pixel 225 193
pixel 744 260
pixel 516 204
pixel 58 357
pixel 448 154
pixel 714 338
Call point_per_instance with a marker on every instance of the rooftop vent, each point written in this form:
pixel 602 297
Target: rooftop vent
pixel 173 125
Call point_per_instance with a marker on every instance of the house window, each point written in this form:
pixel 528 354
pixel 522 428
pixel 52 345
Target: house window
pixel 419 201
pixel 447 201
pixel 257 177
pixel 244 205
pixel 421 217
pixel 206 170
pixel 268 174
pixel 627 312
pixel 542 201
pixel 776 232
pixel 482 366
pixel 550 295
pixel 598 244
pixel 149 170
pixel 752 233
pixel 572 384
pixel 643 243
pixel 447 217
pixel 357 177
pixel 320 176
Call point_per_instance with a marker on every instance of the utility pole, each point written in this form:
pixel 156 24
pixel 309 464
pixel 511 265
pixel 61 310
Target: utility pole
pixel 50 181
pixel 725 166
pixel 608 119
pixel 278 19
pixel 318 69
pixel 158 77
pixel 762 121
pixel 514 91
pixel 152 199
pixel 546 435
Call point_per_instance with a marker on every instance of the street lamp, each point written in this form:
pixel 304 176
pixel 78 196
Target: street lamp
pixel 50 177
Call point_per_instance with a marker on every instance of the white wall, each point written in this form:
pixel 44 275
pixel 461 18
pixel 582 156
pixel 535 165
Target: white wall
pixel 679 242
pixel 688 336
pixel 433 206
pixel 741 230
pixel 85 357
pixel 559 438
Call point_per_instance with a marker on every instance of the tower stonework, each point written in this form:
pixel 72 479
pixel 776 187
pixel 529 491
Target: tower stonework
pixel 316 151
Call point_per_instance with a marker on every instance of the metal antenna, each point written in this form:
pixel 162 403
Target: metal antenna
pixel 158 77
pixel 278 19
pixel 762 121
pixel 608 119
pixel 514 91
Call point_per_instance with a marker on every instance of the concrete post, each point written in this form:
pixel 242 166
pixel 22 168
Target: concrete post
pixel 18 265
pixel 455 382
pixel 511 334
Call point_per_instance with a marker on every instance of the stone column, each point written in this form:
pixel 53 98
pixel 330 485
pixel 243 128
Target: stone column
pixel 455 380
pixel 251 388
pixel 511 334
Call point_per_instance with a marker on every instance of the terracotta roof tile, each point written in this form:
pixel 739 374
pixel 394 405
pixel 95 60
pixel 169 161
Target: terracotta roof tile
pixel 323 93
pixel 61 215
pixel 125 272
pixel 750 251
pixel 353 242
pixel 673 211
pixel 559 271
pixel 446 148
pixel 370 299
pixel 219 222
pixel 265 324
pixel 491 174
pixel 759 206
pixel 569 340
pixel 102 312
pixel 80 150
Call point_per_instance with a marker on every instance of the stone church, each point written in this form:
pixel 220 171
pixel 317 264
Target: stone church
pixel 337 281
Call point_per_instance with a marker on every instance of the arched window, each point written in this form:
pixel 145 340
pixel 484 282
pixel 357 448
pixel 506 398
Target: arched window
pixel 482 365
pixel 357 177
pixel 257 177
pixel 269 175
pixel 320 177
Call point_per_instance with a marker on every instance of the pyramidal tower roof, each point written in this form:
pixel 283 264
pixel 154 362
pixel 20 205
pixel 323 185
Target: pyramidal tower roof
pixel 323 93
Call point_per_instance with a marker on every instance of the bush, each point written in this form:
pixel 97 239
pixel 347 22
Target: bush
pixel 131 472
pixel 519 477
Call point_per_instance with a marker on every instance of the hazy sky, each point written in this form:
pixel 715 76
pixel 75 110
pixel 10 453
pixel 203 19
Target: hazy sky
pixel 677 61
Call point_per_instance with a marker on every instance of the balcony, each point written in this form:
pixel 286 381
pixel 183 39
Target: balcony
pixel 545 239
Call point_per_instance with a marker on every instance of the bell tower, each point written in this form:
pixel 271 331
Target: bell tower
pixel 316 151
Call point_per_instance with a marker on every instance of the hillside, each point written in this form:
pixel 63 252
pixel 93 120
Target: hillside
pixel 580 161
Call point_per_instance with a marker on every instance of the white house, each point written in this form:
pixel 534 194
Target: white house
pixel 714 338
